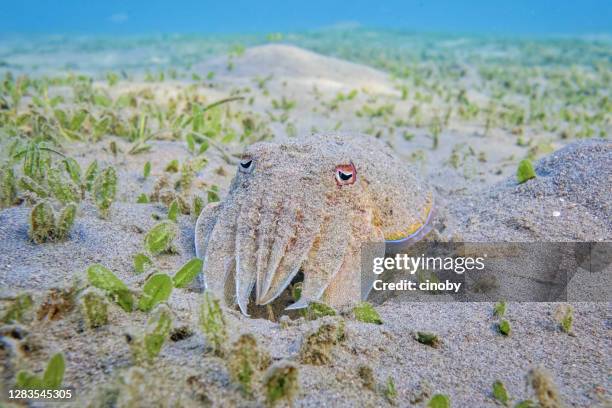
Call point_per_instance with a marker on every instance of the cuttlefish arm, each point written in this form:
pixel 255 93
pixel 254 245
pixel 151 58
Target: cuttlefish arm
pixel 204 226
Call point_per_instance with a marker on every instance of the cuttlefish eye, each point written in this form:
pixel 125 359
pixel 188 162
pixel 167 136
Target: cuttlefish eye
pixel 246 165
pixel 346 174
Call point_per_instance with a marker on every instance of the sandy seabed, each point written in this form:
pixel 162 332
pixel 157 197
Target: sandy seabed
pixel 478 200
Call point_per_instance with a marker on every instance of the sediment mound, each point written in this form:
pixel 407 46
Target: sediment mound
pixel 288 62
pixel 569 200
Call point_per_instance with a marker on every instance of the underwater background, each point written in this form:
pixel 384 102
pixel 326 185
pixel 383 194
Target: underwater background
pixel 191 16
pixel 123 119
pixel 93 37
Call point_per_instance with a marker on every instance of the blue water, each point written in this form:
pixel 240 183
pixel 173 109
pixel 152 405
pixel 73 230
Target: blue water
pixel 519 17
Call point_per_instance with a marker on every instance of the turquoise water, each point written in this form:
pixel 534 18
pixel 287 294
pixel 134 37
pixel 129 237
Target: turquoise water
pixel 520 17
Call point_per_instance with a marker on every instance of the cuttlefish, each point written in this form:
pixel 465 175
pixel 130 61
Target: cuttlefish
pixel 308 205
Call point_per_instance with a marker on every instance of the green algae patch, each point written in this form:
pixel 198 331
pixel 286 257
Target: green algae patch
pixel 104 190
pixel 525 171
pixel 318 344
pixel 159 238
pixel 102 278
pixel 46 226
pixel 18 309
pixel 365 312
pixel 42 222
pixel 94 308
pixel 146 171
pixel 439 401
pixel 527 404
pixel 187 273
pixel 213 194
pixel 173 166
pixel 296 291
pixel 8 186
pixel 429 339
pixel 52 377
pixel 157 331
pixel 65 221
pixel 564 315
pixel 142 263
pixel 500 393
pixel 191 143
pixel 281 383
pixel 316 310
pixel 63 190
pixel 213 325
pixel 504 328
pixel 90 175
pixel 390 391
pixel 157 289
pixel 245 362
pixel 142 199
pixel 28 184
pixel 499 310
pixel 147 346
pixel 173 211
pixel 567 321
pixel 197 206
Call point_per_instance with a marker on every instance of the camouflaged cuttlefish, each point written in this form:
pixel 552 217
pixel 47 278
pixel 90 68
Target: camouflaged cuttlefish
pixel 308 205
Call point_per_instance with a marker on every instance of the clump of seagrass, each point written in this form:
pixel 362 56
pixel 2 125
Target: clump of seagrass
pixel 44 178
pixel 18 309
pixel 46 226
pixel 147 346
pixel 8 187
pixel 366 374
pixel 317 310
pixel 104 190
pixel 57 303
pixel 246 362
pixel 365 312
pixel 160 238
pixel 179 189
pixel 213 325
pixel 94 307
pixel 281 383
pixel 52 377
pixel 564 315
pixel 318 344
pixel 544 388
pixel 390 392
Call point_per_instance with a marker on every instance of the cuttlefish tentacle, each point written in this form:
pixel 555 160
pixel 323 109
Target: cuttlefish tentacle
pixel 219 255
pixel 302 236
pixel 203 228
pixel 344 288
pixel 285 230
pixel 246 249
pixel 270 228
pixel 325 259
